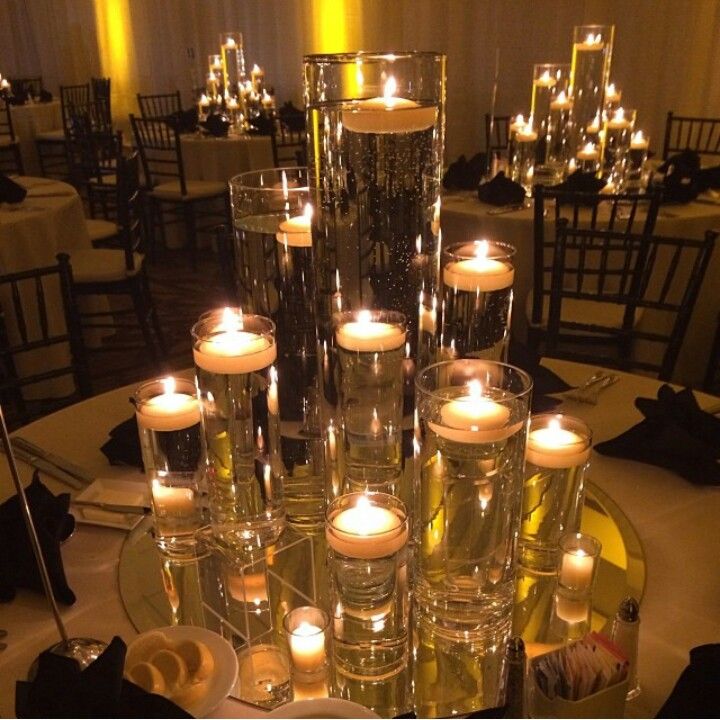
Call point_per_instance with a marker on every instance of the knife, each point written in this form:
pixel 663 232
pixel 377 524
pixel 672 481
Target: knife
pixel 71 468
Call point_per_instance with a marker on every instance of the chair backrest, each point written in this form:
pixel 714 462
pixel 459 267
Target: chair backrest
pixel 160 151
pixel 6 126
pixel 289 140
pixel 31 85
pixel 621 213
pixel 701 134
pixel 27 326
pixel 159 106
pixel 497 136
pixel 129 205
pixel 74 100
pixel 633 291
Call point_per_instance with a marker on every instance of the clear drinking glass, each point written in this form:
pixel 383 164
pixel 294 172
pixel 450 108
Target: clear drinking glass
pixel 376 126
pixel 273 249
pixel 470 444
pixel 477 279
pixel 589 74
pixel 168 419
pixel 367 537
pixel 366 426
pixel 556 462
pixel 237 385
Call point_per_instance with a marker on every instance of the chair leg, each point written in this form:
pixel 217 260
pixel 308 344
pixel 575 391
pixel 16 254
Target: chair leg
pixel 191 232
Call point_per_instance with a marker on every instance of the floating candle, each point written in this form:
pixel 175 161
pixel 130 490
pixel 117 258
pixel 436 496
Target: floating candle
pixel 388 114
pixel 479 273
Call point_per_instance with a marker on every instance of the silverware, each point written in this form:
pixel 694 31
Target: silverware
pixel 81 473
pixel 49 469
pixel 506 209
pixel 112 507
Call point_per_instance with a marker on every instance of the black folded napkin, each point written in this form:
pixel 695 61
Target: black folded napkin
pixel 465 174
pixel 61 689
pixel 123 447
pixel 676 434
pixel 501 191
pixel 185 121
pixel 53 524
pixel 581 182
pixel 10 191
pixel 680 181
pixel 545 382
pixel 696 693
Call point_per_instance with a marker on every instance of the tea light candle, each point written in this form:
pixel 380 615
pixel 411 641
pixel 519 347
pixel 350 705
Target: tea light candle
pixel 366 530
pixel 474 418
pixel 612 94
pixel 576 570
pixel 545 80
pixel 169 411
pixel 618 121
pixel 591 42
pixel 561 102
pixel 231 351
pixel 589 153
pixel 173 501
pixel 556 447
pixel 295 231
pixel 307 647
pixel 526 134
pixel 366 335
pixel 479 274
pixel 388 114
pixel 639 141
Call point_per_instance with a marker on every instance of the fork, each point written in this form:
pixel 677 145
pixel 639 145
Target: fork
pixel 590 390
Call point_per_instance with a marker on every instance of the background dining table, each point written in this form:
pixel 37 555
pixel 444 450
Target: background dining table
pixel 465 218
pixel 29 120
pixel 48 221
pixel 676 523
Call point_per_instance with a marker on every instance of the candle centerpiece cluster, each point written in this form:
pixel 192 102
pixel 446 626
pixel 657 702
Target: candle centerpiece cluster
pixel 577 121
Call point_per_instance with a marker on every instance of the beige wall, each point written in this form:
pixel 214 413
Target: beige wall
pixel 667 54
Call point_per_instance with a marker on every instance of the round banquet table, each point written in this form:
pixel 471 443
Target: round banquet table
pixel 209 158
pixel 29 120
pixel 464 217
pixel 676 522
pixel 50 220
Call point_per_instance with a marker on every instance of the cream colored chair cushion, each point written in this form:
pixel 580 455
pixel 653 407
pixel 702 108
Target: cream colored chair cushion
pixel 51 135
pixel 101 265
pixel 196 190
pixel 101 229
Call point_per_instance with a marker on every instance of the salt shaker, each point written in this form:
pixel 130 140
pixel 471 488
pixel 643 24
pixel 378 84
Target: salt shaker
pixel 625 631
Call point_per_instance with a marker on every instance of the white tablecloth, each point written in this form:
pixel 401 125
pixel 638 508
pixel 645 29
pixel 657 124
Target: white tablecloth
pixel 464 217
pixel 209 158
pixel 29 120
pixel 50 220
pixel 676 522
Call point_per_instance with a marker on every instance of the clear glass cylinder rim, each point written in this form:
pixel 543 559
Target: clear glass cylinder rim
pixel 422 379
pixel 243 181
pixel 370 56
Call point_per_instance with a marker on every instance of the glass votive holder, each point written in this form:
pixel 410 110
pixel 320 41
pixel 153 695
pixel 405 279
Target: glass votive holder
pixel 636 160
pixel 264 676
pixel 522 161
pixel 557 457
pixel 578 564
pixel 307 630
pixel 477 281
pixel 370 350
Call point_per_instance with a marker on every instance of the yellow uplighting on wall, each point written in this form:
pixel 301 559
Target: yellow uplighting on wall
pixel 115 44
pixel 337 25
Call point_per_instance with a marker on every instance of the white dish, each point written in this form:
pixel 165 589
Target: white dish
pixel 111 491
pixel 323 708
pixel 223 678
